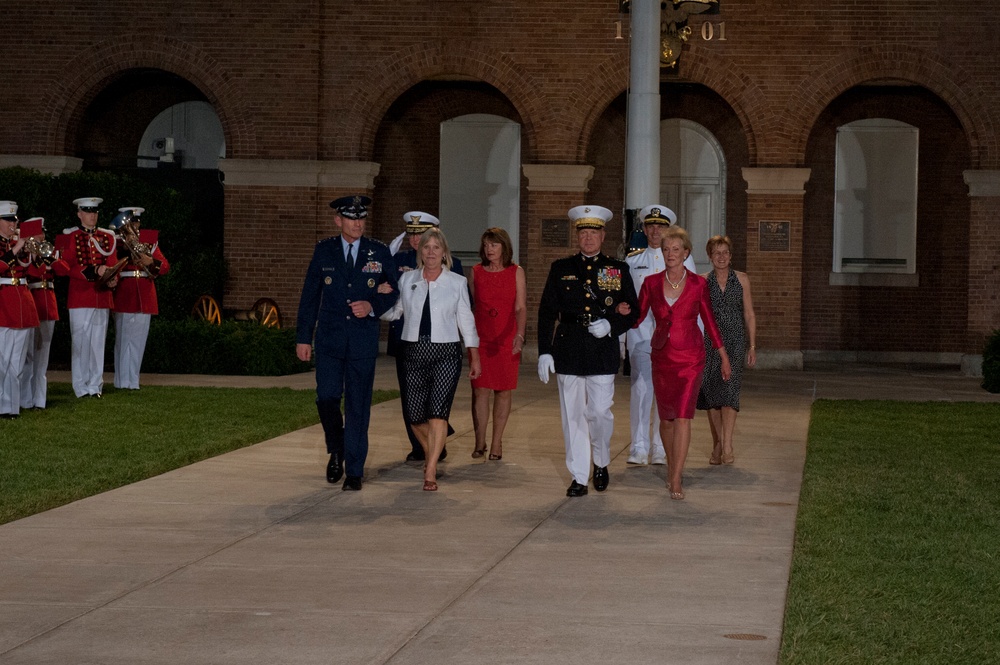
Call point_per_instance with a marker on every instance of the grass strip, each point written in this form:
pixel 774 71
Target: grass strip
pixel 896 546
pixel 76 448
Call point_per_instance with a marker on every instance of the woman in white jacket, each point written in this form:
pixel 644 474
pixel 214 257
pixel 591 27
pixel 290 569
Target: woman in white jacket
pixel 435 305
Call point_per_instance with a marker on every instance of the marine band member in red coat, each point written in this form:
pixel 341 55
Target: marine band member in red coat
pixel 41 276
pixel 135 295
pixel 18 317
pixel 88 251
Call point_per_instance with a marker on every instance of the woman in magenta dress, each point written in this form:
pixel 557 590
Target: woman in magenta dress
pixel 500 307
pixel 677 297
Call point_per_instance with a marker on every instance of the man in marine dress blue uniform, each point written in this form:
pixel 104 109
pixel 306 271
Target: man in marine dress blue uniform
pixel 417 223
pixel 340 306
pixel 587 303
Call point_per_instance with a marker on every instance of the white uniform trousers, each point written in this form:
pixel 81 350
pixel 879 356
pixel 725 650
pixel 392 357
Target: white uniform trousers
pixel 131 331
pixel 34 383
pixel 642 408
pixel 14 344
pixel 89 329
pixel 585 403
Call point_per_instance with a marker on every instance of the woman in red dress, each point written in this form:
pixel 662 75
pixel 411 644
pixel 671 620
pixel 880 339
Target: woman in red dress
pixel 677 297
pixel 500 307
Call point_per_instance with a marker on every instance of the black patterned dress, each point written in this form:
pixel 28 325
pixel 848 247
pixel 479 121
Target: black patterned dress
pixel 728 309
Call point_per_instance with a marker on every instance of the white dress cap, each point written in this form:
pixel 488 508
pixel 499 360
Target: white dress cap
pixel 418 222
pixel 589 217
pixel 658 214
pixel 132 209
pixel 8 209
pixel 88 203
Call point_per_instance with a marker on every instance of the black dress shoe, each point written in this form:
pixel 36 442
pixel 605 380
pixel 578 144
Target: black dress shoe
pixel 415 456
pixel 576 489
pixel 601 478
pixel 352 484
pixel 335 468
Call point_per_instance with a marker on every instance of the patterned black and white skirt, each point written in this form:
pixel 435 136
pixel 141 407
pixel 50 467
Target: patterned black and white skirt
pixel 432 373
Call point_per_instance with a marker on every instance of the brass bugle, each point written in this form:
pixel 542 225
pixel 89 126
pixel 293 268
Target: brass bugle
pixel 41 248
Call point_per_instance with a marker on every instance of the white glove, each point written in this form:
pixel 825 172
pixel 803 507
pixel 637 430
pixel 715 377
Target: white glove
pixel 599 328
pixel 396 243
pixel 546 366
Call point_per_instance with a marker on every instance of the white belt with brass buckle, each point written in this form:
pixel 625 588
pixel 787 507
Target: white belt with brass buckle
pixel 134 273
pixel 44 284
pixel 11 281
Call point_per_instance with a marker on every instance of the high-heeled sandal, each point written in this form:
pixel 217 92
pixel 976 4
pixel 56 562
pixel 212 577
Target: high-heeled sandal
pixel 430 486
pixel 498 456
pixel 478 452
pixel 675 495
pixel 728 458
pixel 715 459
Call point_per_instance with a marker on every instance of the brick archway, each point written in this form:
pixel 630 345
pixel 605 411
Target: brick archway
pixel 63 103
pixel 610 79
pixel 956 87
pixel 404 69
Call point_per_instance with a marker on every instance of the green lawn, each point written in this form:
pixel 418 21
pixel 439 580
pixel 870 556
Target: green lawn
pixel 897 548
pixel 79 447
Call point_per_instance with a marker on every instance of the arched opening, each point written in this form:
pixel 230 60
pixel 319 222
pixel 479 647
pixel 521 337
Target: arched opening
pixel 693 182
pixel 876 310
pixel 421 144
pixel 119 130
pixel 703 149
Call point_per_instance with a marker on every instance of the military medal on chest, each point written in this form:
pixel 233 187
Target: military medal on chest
pixel 609 279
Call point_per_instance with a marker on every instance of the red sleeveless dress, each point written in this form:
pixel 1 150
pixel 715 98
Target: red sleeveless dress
pixel 494 311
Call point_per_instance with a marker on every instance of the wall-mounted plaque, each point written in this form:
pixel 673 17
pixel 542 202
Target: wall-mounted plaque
pixel 555 232
pixel 774 236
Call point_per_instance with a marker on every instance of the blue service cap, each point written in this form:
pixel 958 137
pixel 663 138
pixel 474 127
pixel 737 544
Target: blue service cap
pixel 352 207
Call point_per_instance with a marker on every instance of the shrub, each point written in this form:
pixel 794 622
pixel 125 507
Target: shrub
pixel 234 348
pixel 991 363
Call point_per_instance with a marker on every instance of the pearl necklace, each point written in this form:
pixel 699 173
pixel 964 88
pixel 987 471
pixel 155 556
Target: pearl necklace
pixel 679 282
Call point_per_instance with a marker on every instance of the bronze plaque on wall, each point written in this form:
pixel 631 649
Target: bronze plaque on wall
pixel 555 232
pixel 774 236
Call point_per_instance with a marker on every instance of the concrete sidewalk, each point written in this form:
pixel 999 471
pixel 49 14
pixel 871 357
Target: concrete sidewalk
pixel 251 557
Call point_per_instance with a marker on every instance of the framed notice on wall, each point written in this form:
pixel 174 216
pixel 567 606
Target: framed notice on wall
pixel 773 236
pixel 555 232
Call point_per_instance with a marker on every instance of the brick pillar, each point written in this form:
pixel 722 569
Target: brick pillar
pixel 774 262
pixel 984 266
pixel 552 190
pixel 275 211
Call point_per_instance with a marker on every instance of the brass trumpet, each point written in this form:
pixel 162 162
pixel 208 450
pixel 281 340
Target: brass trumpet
pixel 40 248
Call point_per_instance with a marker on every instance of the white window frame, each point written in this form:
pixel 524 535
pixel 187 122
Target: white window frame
pixel 875 200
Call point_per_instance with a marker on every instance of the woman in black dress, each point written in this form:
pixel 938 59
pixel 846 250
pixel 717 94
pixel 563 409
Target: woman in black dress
pixel 733 309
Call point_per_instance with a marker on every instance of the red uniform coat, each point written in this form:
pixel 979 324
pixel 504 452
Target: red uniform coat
pixel 40 280
pixel 138 294
pixel 79 249
pixel 17 308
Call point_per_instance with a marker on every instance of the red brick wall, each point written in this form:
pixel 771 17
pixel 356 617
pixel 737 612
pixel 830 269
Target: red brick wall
pixel 984 271
pixel 313 79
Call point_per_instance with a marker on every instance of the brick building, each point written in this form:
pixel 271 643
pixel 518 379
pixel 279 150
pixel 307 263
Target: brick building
pixel 317 99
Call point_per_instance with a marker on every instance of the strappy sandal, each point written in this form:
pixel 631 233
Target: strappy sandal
pixel 497 456
pixel 478 452
pixel 430 486
pixel 728 458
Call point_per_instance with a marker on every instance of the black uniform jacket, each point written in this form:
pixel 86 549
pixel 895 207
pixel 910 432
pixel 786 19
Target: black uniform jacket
pixel 580 289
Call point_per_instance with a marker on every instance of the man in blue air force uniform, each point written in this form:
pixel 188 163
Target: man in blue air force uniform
pixel 340 306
